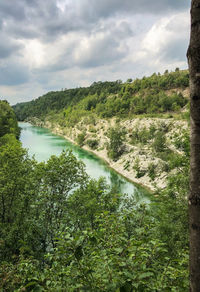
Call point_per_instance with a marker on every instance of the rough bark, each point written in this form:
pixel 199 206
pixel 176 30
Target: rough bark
pixel 193 55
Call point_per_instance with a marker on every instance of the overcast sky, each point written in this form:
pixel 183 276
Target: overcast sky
pixel 53 44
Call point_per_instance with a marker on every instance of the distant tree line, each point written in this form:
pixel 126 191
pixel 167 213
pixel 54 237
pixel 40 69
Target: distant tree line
pixel 107 99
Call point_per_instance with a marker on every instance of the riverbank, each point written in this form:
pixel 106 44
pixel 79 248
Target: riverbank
pixel 134 164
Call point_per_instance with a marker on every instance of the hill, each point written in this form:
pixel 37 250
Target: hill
pixel 148 95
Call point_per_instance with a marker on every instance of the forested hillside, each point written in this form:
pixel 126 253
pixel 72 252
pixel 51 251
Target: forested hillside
pixel 148 95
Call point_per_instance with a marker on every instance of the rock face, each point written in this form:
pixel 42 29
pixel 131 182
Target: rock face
pixel 35 121
pixel 140 162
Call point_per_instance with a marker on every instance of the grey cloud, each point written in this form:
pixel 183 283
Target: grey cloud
pixel 28 18
pixel 24 31
pixel 175 51
pixel 64 62
pixel 13 74
pixel 105 8
pixel 6 51
pixel 9 10
pixel 105 46
pixel 100 54
pixel 42 77
pixel 44 20
pixel 8 47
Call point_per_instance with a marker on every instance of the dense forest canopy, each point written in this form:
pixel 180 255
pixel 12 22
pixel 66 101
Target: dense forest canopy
pixel 57 100
pixel 106 99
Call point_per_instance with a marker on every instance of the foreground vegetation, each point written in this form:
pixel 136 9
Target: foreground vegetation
pixel 62 231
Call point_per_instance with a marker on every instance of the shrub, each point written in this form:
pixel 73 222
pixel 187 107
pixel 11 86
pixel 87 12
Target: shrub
pixel 139 172
pixel 80 139
pixel 152 171
pixel 115 146
pixel 159 143
pixel 142 135
pixel 92 143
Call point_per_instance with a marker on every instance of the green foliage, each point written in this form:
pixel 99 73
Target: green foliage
pixel 60 230
pixel 80 139
pixel 85 236
pixel 182 142
pixel 33 206
pixel 129 80
pixel 111 250
pixel 107 99
pixel 55 101
pixel 104 260
pixel 156 102
pixel 8 121
pixel 92 143
pixel 90 102
pixel 142 135
pixel 17 191
pixel 146 135
pixel 159 144
pixel 139 172
pixel 115 146
pixel 172 213
pixel 58 177
pixel 152 171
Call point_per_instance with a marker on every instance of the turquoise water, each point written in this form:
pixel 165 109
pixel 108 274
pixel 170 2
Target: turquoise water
pixel 42 144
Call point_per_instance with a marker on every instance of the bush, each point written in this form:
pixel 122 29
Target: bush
pixel 92 143
pixel 182 142
pixel 115 146
pixel 159 143
pixel 152 171
pixel 139 172
pixel 139 136
pixel 80 139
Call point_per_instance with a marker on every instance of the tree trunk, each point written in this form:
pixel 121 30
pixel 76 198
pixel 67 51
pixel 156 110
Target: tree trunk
pixel 193 55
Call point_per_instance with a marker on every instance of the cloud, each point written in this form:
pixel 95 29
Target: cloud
pixel 8 47
pixel 168 38
pixel 106 8
pixel 103 47
pixel 51 44
pixel 13 73
pixel 9 10
pixel 49 19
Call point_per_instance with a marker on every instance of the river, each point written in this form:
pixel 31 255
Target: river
pixel 41 143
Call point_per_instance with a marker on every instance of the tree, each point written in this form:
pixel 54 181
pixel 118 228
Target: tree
pixel 17 192
pixel 58 177
pixel 115 146
pixel 8 121
pixel 193 55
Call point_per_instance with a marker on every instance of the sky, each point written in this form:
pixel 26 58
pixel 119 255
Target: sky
pixel 48 45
